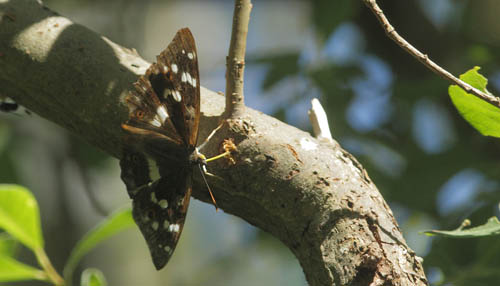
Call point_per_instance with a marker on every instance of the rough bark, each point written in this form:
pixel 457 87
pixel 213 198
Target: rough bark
pixel 314 196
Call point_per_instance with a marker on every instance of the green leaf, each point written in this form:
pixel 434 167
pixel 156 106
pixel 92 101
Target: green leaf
pixel 491 228
pixel 93 277
pixel 474 78
pixel 7 244
pixel 13 270
pixel 19 215
pixel 116 222
pixel 483 116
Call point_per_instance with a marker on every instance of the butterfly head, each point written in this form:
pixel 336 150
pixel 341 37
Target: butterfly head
pixel 196 158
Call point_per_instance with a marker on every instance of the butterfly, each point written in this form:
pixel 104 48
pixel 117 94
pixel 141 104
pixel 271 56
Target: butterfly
pixel 162 134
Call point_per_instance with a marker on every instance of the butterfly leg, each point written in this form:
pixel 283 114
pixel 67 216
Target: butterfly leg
pixel 205 172
pixel 210 136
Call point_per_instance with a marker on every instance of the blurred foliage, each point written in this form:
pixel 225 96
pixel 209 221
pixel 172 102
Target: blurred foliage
pixel 327 15
pixel 280 66
pixel 20 219
pixel 111 225
pixel 427 179
pixel 93 277
pixel 384 106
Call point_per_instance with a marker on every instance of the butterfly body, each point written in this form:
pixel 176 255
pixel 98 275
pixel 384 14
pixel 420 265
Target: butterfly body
pixel 162 133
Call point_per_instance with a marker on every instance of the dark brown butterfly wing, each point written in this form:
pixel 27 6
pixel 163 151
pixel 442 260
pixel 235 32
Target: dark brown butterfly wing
pixel 175 79
pixel 159 207
pixel 167 98
pixel 164 113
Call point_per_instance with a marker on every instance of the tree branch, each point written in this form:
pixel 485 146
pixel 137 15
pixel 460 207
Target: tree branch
pixel 314 196
pixel 423 58
pixel 235 61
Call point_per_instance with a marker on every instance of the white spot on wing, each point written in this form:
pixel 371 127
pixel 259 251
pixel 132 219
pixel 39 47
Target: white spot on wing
pixel 191 56
pixel 173 228
pixel 167 249
pixel 177 95
pixel 174 68
pixel 155 225
pixel 186 77
pixel 163 204
pixel 162 112
pixel 193 82
pixel 183 51
pixel 155 122
pixel 307 144
pixel 165 69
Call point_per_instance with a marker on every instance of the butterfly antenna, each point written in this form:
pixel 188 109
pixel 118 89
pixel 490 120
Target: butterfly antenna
pixel 208 187
pixel 218 156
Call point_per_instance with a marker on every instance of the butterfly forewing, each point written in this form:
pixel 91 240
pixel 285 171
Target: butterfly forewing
pixel 178 85
pixel 167 97
pixel 148 117
pixel 164 111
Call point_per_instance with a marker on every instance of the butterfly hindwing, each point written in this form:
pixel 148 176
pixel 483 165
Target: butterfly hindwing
pixel 134 171
pixel 160 211
pixel 159 208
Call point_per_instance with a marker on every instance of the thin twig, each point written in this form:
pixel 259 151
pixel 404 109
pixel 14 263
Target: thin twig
pixel 319 121
pixel 235 61
pixel 423 58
